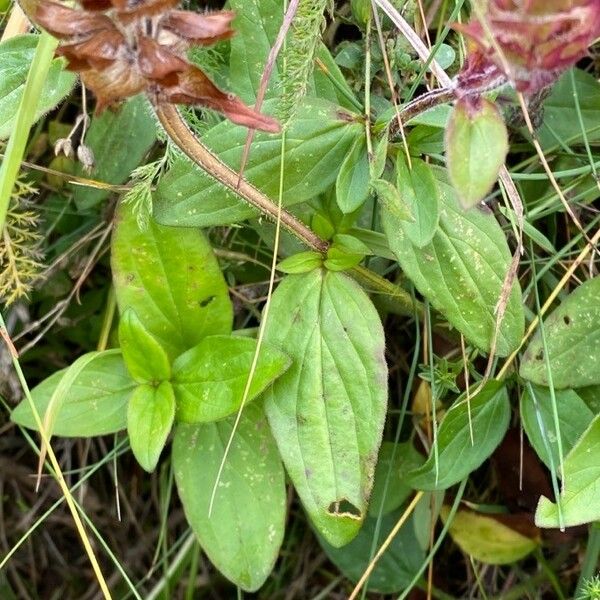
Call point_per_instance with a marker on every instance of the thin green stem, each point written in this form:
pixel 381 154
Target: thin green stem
pixel 591 560
pixel 438 542
pixel 15 149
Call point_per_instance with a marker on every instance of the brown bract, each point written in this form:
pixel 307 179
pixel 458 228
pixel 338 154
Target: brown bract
pixel 119 49
pixel 528 42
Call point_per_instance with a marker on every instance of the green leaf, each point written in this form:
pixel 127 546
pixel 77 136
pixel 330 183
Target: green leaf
pixel 405 458
pixel 243 534
pixel 209 380
pixel 96 403
pixel 317 140
pixel 425 515
pixel 579 497
pixel 537 416
pixel 145 359
pixel 352 184
pixel 327 411
pixel 390 198
pixel 172 280
pixel 330 83
pixel 256 30
pixel 461 272
pixel 561 121
pixel 476 147
pixel 490 538
pixel 572 347
pixel 457 456
pixel 339 259
pixel 150 417
pixel 395 569
pixel 418 190
pixel 119 139
pixel 16 55
pixel 301 262
pixel 377 165
pixel 345 252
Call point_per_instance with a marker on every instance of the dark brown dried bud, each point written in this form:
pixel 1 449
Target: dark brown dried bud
pixel 120 54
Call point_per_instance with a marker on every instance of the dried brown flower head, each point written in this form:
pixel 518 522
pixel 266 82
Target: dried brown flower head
pixel 528 42
pixel 124 47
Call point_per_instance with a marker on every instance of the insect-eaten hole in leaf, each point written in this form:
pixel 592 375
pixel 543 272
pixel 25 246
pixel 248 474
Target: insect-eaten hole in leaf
pixel 567 320
pixel 344 508
pixel 539 355
pixel 206 301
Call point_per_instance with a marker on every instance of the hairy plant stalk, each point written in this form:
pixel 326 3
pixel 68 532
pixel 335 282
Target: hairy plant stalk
pixel 187 142
pixel 299 55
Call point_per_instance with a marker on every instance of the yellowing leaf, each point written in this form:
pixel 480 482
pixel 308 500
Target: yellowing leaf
pixel 490 539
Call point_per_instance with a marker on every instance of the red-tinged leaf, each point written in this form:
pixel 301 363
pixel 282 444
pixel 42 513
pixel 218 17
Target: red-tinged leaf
pixel 64 22
pixel 158 63
pixel 200 28
pixel 196 88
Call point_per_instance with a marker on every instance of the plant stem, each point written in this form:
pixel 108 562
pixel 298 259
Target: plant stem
pixel 185 139
pixel 15 150
pixel 420 105
pixel 187 142
pixel 58 474
pixel 590 560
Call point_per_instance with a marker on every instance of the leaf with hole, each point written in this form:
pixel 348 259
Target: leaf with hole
pixel 150 417
pixel 179 296
pixel 243 533
pixel 581 486
pixel 210 379
pixel 487 415
pixel 419 192
pixel 462 271
pixel 95 405
pixel 572 348
pixel 537 416
pixel 16 55
pixel 317 140
pixel 476 147
pixel 327 411
pixel 145 359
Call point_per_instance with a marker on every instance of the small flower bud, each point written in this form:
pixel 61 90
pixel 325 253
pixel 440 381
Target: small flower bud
pixel 86 157
pixel 63 146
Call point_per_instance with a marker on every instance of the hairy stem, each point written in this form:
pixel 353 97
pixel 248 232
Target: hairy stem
pixel 187 142
pixel 420 105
